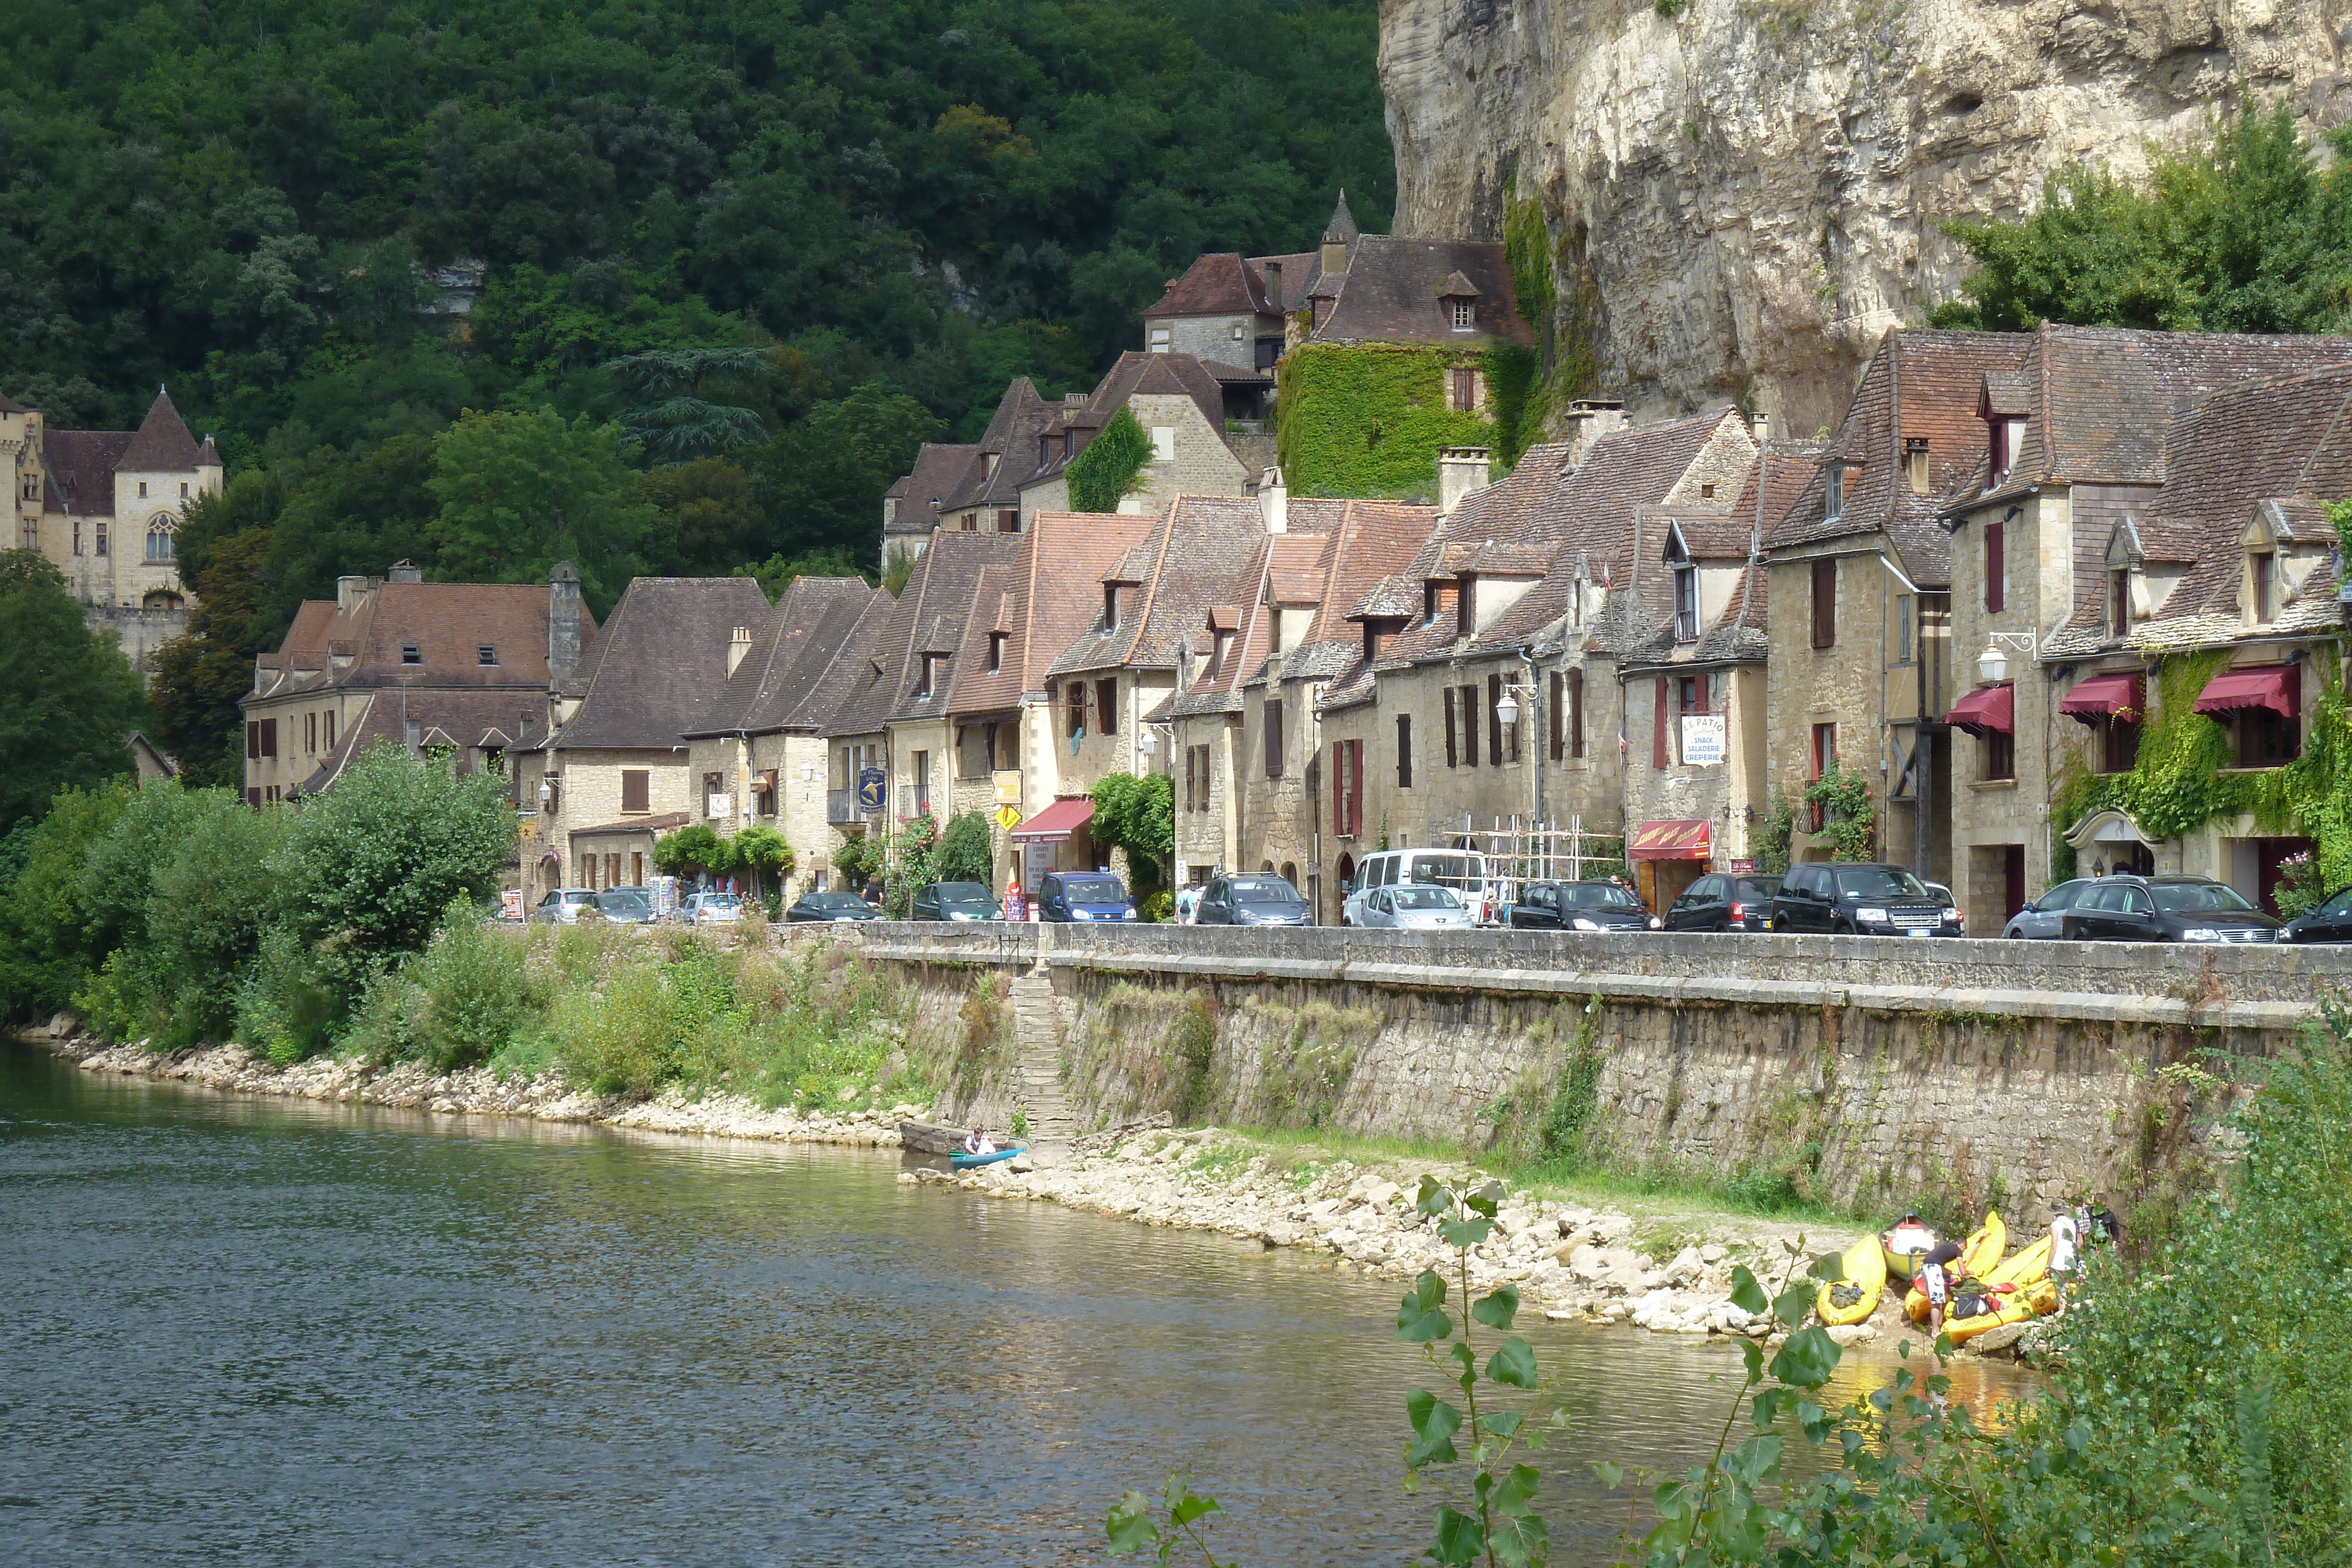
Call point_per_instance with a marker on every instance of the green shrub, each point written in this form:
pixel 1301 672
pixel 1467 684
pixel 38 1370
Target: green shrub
pixel 1108 468
pixel 620 1037
pixel 392 1022
pixel 477 990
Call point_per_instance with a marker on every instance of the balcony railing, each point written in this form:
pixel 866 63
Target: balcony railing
pixel 840 806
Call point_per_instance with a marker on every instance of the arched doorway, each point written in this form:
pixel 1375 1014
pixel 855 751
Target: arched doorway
pixel 1290 873
pixel 550 873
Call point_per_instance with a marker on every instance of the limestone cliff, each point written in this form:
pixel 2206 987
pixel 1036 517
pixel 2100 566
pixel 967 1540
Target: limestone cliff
pixel 1749 192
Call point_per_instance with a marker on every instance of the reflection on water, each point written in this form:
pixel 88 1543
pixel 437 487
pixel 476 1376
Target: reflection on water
pixel 263 1330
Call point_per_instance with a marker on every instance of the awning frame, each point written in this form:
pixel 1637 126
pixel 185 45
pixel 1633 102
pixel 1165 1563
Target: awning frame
pixel 1055 822
pixel 2090 709
pixel 2278 687
pixel 1672 839
pixel 1993 701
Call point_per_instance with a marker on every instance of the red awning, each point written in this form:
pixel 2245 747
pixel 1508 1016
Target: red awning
pixel 2123 695
pixel 1683 840
pixel 1055 823
pixel 1986 709
pixel 2274 687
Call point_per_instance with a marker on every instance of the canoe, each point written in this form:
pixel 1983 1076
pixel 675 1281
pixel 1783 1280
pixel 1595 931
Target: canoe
pixel 967 1161
pixel 1979 1255
pixel 2030 1301
pixel 1903 1265
pixel 2030 1267
pixel 1865 1272
pixel 932 1138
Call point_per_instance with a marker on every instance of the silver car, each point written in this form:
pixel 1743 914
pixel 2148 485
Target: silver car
pixel 711 909
pixel 1412 907
pixel 2039 921
pixel 563 906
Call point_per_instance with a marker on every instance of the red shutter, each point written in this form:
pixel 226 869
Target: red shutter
pixel 1658 725
pixel 1356 788
pixel 1996 569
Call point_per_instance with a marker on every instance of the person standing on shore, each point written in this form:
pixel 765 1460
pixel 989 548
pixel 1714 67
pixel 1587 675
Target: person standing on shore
pixel 1935 1283
pixel 2065 1254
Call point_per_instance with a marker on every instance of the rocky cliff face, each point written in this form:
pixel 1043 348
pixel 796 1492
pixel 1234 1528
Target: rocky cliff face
pixel 1750 192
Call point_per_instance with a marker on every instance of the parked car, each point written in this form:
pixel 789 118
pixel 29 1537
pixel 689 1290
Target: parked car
pixel 956 901
pixel 1083 895
pixel 2329 920
pixel 1861 900
pixel 1411 907
pixel 1578 907
pixel 710 909
pixel 1464 870
pixel 830 907
pixel 626 905
pixel 2165 909
pixel 1724 904
pixel 563 905
pixel 2038 921
pixel 1258 898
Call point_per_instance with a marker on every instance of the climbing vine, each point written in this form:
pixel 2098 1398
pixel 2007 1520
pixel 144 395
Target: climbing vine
pixel 1774 833
pixel 1367 419
pixel 1106 469
pixel 1849 824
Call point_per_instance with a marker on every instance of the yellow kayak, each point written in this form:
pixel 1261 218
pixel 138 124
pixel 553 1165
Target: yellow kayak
pixel 1865 1271
pixel 2028 1268
pixel 1981 1253
pixel 2030 1300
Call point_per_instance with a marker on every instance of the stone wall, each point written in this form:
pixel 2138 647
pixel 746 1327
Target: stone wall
pixel 1854 1069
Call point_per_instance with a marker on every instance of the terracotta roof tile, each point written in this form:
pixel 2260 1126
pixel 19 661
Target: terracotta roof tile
pixel 1052 596
pixel 799 640
pixel 1219 283
pixel 938 472
pixel 80 465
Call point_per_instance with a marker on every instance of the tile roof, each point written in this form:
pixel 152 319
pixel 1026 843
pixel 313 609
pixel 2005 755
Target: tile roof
pixel 1299 275
pixel 80 465
pixel 467 719
pixel 939 599
pixel 1203 549
pixel 447 623
pixel 660 662
pixel 1372 540
pixel 162 445
pixel 1050 596
pixel 938 471
pixel 802 638
pixel 1391 293
pixel 1022 416
pixel 837 685
pixel 1218 284
pixel 1134 374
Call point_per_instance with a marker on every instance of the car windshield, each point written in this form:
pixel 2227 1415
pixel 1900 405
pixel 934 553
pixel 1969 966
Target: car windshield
pixel 1447 870
pixel 1264 890
pixel 1879 881
pixel 2338 904
pixel 1426 898
pixel 1093 890
pixel 2062 896
pixel 1757 887
pixel 1597 895
pixel 624 898
pixel 2199 898
pixel 963 893
pixel 836 901
pixel 717 901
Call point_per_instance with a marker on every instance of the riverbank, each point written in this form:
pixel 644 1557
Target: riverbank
pixel 1667 1271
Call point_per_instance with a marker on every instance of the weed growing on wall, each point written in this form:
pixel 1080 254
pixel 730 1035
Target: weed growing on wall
pixel 1310 1053
pixel 1109 466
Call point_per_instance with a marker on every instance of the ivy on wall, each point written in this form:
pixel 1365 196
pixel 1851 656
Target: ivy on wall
pixel 1367 419
pixel 1106 469
pixel 1849 823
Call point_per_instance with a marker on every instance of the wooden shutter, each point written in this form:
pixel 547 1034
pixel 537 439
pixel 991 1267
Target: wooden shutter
pixel 1106 706
pixel 1404 750
pixel 252 740
pixel 1356 788
pixel 1658 752
pixel 1274 740
pixel 1340 787
pixel 1825 603
pixel 1557 718
pixel 1470 724
pixel 269 738
pixel 1453 745
pixel 1996 569
pixel 1494 718
pixel 636 794
pixel 1575 712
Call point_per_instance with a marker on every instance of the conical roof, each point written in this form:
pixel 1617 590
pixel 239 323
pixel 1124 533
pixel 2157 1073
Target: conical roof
pixel 1341 229
pixel 162 445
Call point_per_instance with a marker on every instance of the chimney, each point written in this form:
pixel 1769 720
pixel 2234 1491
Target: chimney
pixel 1335 257
pixel 737 645
pixel 404 571
pixel 1274 287
pixel 1758 424
pixel 1591 420
pixel 563 623
pixel 350 592
pixel 1461 474
pixel 1273 501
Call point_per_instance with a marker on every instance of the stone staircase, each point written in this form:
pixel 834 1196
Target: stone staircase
pixel 1038 1084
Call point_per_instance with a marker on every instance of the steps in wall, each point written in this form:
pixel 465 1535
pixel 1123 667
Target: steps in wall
pixel 1038 1084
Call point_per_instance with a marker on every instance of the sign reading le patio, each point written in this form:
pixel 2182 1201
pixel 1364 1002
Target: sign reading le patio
pixel 1702 739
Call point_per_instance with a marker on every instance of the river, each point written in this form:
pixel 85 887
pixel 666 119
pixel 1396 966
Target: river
pixel 261 1330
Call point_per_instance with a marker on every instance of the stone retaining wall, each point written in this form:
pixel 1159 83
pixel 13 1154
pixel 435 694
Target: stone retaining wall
pixel 1855 1068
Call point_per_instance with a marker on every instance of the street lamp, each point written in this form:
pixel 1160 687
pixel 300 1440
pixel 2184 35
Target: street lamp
pixel 1992 664
pixel 1507 710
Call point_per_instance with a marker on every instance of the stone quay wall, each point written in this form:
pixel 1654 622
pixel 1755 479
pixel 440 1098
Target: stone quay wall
pixel 1855 1070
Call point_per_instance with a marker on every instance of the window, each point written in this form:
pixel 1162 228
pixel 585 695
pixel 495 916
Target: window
pixel 1111 606
pixel 636 789
pixel 1915 465
pixel 922 783
pixel 587 871
pixel 1661 696
pixel 1404 750
pixel 1997 450
pixel 1575 712
pixel 2263 571
pixel 486 653
pixel 1008 519
pixel 411 654
pixel 1998 752
pixel 1557 739
pixel 143 489
pixel 1075 710
pixel 330 729
pixel 159 539
pixel 1453 745
pixel 1833 486
pixel 1996 569
pixel 269 738
pixel 637 868
pixel 1347 788
pixel 1464 313
pixel 2118 745
pixel 1469 701
pixel 714 804
pixel 613 870
pixel 311 733
pixel 2119 603
pixel 1463 391
pixel 252 740
pixel 996 653
pixel 1825 603
pixel 1685 604
pixel 1107 706
pixel 927 677
pixel 101 536
pixel 2266 738
pixel 1163 444
pixel 29 535
pixel 1826 752
pixel 1160 338
pixel 1193 778
pixel 184 489
pixel 1274 740
pixel 1707 492
pixel 1903 628
pixel 253 799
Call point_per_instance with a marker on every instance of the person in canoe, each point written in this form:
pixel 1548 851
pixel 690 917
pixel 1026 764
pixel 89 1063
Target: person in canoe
pixel 978 1141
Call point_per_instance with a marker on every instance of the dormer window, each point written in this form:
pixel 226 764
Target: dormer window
pixel 2262 579
pixel 1429 603
pixel 486 653
pixel 1220 642
pixel 1834 482
pixel 1915 464
pixel 1160 335
pixel 2119 602
pixel 996 652
pixel 1111 606
pixel 410 654
pixel 1686 604
pixel 1466 314
pixel 928 679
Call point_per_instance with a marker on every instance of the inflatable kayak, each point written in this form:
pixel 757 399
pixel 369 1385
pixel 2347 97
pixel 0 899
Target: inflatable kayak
pixel 1903 1265
pixel 2023 1300
pixel 1866 1278
pixel 966 1162
pixel 1979 1255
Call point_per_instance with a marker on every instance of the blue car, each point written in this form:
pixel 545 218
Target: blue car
pixel 1083 895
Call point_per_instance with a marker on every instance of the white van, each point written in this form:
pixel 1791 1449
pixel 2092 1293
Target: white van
pixel 1464 870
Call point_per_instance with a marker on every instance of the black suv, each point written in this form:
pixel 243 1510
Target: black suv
pixel 1578 907
pixel 1861 900
pixel 2165 909
pixel 1724 904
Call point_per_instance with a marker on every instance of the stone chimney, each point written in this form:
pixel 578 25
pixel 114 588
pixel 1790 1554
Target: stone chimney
pixel 351 592
pixel 404 571
pixel 1461 474
pixel 1589 421
pixel 1757 423
pixel 563 623
pixel 1274 287
pixel 1273 501
pixel 738 642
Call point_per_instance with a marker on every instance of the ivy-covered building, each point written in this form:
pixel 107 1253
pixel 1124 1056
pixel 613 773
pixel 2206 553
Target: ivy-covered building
pixel 2145 614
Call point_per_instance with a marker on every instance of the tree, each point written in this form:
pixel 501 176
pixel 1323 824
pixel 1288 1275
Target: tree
pixel 696 847
pixel 823 478
pixel 45 953
pixel 762 851
pixel 1136 815
pixel 668 415
pixel 66 694
pixel 519 492
pixel 966 850
pixel 1108 468
pixel 708 520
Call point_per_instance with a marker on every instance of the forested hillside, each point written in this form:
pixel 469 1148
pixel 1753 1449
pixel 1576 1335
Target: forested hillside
pixel 742 256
